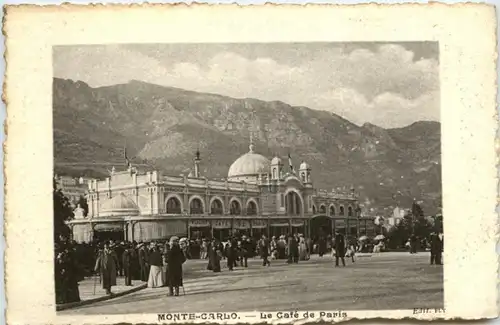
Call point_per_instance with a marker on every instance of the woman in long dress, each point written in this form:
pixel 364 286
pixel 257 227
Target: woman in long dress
pixel 155 279
pixel 302 248
pixel 215 257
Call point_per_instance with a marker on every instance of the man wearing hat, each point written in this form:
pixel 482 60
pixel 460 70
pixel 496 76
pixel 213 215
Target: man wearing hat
pixel 127 264
pixel 339 248
pixel 106 265
pixel 245 251
pixel 143 262
pixel 175 258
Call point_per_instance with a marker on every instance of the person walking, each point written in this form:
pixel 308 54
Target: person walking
pixel 339 248
pixel 175 259
pixel 231 254
pixel 246 251
pixel 215 255
pixel 106 265
pixel 413 244
pixel 264 251
pixel 321 246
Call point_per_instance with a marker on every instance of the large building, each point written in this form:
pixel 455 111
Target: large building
pixel 258 197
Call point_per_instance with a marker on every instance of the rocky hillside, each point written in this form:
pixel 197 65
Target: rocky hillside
pixel 162 127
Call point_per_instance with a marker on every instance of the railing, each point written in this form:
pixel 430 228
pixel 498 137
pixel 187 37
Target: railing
pixel 196 181
pixel 217 184
pixel 173 179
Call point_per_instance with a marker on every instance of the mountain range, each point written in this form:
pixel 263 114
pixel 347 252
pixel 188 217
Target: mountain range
pixel 162 127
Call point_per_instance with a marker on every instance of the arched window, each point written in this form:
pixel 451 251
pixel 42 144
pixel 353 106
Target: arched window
pixel 342 211
pixel 251 208
pixel 216 207
pixel 349 211
pixel 235 208
pixel 303 175
pixel 322 209
pixel 174 205
pixel 332 210
pixel 274 173
pixel 196 207
pixel 314 209
pixel 293 204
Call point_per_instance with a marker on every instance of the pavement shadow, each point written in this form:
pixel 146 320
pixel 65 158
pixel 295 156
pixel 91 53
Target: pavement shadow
pixel 128 299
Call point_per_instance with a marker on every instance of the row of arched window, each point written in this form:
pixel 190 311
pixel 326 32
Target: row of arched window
pixel 196 207
pixel 322 209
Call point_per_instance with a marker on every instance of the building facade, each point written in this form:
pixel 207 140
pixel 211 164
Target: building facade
pixel 258 197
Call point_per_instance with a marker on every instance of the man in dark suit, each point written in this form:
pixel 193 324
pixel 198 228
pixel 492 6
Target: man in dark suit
pixel 264 250
pixel 339 248
pixel 293 250
pixel 436 249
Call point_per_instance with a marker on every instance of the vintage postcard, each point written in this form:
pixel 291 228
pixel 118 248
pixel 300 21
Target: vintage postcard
pixel 265 164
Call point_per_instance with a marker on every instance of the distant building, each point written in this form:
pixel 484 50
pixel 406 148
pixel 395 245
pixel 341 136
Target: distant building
pixel 72 188
pixel 258 197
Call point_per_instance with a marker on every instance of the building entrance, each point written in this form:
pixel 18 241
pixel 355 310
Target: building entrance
pixel 199 232
pixel 222 234
pixel 320 226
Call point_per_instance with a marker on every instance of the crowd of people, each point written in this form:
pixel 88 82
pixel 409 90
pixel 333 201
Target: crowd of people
pixel 159 263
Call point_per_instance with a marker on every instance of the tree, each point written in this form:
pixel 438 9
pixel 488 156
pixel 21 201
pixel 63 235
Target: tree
pixel 62 213
pixel 65 262
pixel 410 224
pixel 416 210
pixel 84 205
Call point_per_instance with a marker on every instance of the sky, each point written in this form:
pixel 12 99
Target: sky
pixel 386 84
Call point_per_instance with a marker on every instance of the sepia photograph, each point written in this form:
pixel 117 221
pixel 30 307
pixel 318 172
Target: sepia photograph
pixel 223 177
pixel 249 165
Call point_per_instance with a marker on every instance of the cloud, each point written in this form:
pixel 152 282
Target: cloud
pixel 386 86
pixel 386 109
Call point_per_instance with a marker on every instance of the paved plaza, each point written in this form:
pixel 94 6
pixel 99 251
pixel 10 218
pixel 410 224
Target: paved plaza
pixel 384 281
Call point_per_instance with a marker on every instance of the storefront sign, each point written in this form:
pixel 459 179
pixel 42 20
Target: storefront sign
pixel 241 224
pixel 111 226
pixel 199 223
pixel 259 223
pixel 279 223
pixel 340 223
pixel 221 224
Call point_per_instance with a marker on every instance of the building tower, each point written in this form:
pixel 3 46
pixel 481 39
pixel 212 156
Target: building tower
pixel 197 161
pixel 305 173
pixel 276 168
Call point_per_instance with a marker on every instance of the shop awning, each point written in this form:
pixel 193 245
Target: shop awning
pixel 279 223
pixel 297 223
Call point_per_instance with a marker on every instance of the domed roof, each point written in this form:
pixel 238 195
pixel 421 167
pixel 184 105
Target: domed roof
pixel 304 165
pixel 249 164
pixel 276 161
pixel 119 205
